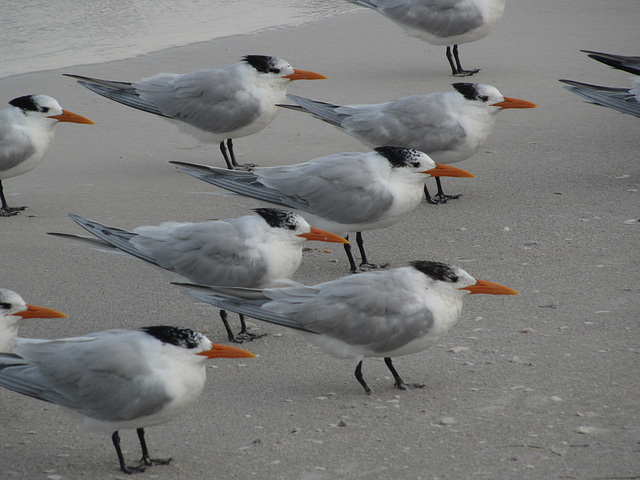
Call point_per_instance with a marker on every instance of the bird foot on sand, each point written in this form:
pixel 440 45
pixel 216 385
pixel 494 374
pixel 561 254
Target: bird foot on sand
pixel 154 461
pixel 404 386
pixel 10 211
pixel 245 166
pixel 242 337
pixel 466 73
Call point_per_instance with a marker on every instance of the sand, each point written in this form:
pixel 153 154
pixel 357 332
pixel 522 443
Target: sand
pixel 543 385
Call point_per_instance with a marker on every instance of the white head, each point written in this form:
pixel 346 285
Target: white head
pixel 13 309
pixel 45 107
pixel 278 68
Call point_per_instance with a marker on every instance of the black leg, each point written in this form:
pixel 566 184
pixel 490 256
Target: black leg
pixel 6 210
pixel 243 334
pixel 441 197
pixel 352 262
pixel 115 438
pixel 428 197
pixel 360 379
pixel 460 72
pixel 233 164
pixel 146 460
pixel 230 335
pixel 454 70
pixel 233 157
pixel 399 383
pixel 223 149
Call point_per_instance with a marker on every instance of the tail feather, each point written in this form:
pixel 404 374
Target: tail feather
pixel 621 62
pixel 321 110
pixel 243 183
pixel 115 237
pixel 616 98
pixel 121 92
pixel 250 308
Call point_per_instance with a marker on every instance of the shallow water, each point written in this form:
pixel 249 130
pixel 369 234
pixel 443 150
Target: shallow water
pixel 45 34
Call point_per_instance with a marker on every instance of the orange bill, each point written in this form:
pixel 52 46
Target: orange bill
pixel 305 75
pixel 224 351
pixel 322 236
pixel 68 116
pixel 33 311
pixel 514 103
pixel 490 288
pixel 447 171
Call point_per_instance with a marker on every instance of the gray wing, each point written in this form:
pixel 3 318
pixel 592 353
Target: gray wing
pixel 419 121
pixel 15 146
pixel 620 99
pixel 366 309
pixel 121 92
pixel 339 188
pixel 621 62
pixel 100 376
pixel 209 253
pixel 443 18
pixel 212 100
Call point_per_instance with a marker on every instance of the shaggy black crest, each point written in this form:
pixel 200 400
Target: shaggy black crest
pixel 400 157
pixel 277 218
pixel 25 103
pixel 469 91
pixel 178 336
pixel 436 270
pixel 262 63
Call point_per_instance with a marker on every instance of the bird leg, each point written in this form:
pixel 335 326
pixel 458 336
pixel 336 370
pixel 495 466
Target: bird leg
pixel 440 197
pixel 457 69
pixel 399 383
pixel 352 262
pixel 148 461
pixel 361 379
pixel 6 210
pixel 363 255
pixel 115 438
pixel 231 158
pixel 242 335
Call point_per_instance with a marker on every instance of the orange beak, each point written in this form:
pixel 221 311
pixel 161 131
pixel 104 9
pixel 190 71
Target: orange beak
pixel 223 351
pixel 447 171
pixel 514 103
pixel 322 236
pixel 68 116
pixel 491 288
pixel 34 311
pixel 305 75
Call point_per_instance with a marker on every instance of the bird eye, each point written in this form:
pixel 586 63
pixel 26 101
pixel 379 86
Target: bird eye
pixel 274 70
pixel 45 109
pixel 5 305
pixel 484 98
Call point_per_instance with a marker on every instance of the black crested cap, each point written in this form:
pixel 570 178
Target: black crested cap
pixel 277 218
pixel 400 157
pixel 262 63
pixel 25 103
pixel 435 270
pixel 178 336
pixel 468 90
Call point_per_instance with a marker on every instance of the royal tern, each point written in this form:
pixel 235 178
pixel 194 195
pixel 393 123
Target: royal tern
pixel 116 379
pixel 13 309
pixel 214 105
pixel 443 22
pixel 625 100
pixel 449 127
pixel 375 314
pixel 342 193
pixel 254 251
pixel 27 129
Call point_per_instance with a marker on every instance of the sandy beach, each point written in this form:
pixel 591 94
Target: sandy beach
pixel 544 385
